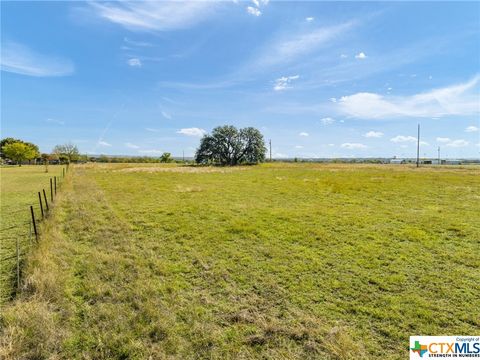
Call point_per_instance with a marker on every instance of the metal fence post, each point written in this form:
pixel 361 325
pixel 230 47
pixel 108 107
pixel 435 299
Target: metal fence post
pixel 41 205
pixel 34 223
pixel 18 265
pixel 45 198
pixel 51 190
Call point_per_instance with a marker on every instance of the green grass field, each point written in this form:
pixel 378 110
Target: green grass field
pixel 278 261
pixel 19 189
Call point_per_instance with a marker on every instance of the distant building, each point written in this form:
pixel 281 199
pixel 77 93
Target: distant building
pixel 398 161
pixel 453 162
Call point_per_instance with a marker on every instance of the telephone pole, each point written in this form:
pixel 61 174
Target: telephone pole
pixel 270 142
pixel 418 146
pixel 183 155
pixel 439 161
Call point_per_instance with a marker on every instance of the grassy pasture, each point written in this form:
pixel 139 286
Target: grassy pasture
pixel 281 261
pixel 18 188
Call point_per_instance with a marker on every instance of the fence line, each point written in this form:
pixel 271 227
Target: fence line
pixel 13 277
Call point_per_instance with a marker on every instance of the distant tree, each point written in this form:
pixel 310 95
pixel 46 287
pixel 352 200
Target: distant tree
pixel 229 146
pixel 66 152
pixel 19 151
pixel 10 140
pixel 166 158
pixel 46 160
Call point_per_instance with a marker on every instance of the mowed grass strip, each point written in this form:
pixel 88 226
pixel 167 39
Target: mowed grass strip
pixel 273 261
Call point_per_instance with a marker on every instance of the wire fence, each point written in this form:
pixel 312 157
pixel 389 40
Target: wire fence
pixel 23 232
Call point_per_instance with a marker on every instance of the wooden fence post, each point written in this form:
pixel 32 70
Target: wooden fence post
pixel 55 181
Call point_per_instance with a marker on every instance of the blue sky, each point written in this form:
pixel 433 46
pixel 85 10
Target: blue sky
pixel 321 79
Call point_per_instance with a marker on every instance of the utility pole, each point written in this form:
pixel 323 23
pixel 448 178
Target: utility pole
pixel 183 155
pixel 418 146
pixel 439 161
pixel 270 142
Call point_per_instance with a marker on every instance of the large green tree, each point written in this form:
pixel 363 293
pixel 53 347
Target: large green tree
pixel 66 152
pixel 10 140
pixel 227 145
pixel 19 151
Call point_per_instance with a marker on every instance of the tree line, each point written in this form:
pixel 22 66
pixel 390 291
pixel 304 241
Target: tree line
pixel 226 146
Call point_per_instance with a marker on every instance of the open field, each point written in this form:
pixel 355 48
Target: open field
pixel 19 190
pixel 281 261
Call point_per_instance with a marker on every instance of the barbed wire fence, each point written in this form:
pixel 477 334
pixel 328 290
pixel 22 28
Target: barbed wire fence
pixel 23 234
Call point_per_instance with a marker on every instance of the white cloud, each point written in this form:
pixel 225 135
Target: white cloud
pixel 289 47
pixel 373 134
pixel 132 146
pixel 166 115
pixel 334 100
pixel 150 152
pixel 327 120
pixel 103 143
pixel 443 140
pixel 343 56
pixel 135 62
pixel 298 147
pixel 471 129
pixel 19 59
pixel 253 11
pixel 304 134
pixel 401 138
pixel 192 132
pixel 453 100
pixel 424 143
pixel 309 19
pixel 155 15
pixel 458 143
pixel 284 82
pixel 152 130
pixel 353 146
pixel 361 56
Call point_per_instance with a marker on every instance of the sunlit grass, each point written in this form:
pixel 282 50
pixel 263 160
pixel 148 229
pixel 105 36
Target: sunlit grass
pixel 272 261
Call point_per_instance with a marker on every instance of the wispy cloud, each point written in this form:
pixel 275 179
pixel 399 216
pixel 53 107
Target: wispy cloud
pixel 104 143
pixel 327 120
pixel 155 15
pixel 471 129
pixel 166 115
pixel 283 83
pixel 460 99
pixel 134 62
pixel 192 132
pixel 137 43
pixel 402 138
pixel 373 134
pixel 19 59
pixel 152 129
pixel 253 11
pixel 131 146
pixel 303 133
pixel 309 19
pixel 291 46
pixel 458 143
pixel 443 140
pixel 353 146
